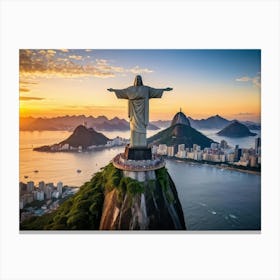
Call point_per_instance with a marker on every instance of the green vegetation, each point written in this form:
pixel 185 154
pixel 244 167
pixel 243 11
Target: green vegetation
pixel 83 210
pixel 163 179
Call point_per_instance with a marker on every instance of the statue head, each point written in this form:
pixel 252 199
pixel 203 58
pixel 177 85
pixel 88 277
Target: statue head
pixel 138 81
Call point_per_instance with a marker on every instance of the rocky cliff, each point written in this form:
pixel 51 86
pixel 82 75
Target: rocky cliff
pixel 149 205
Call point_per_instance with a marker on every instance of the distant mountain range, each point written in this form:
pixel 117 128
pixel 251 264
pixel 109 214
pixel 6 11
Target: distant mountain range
pixel 69 123
pixel 236 129
pixel 213 122
pixel 102 123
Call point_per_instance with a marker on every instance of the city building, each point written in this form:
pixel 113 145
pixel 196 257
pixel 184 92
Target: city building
pixel 40 195
pixel 257 143
pixel 59 187
pixel 162 149
pixel 181 147
pixel 41 185
pixel 22 188
pixel 237 153
pixel 190 155
pixel 30 186
pixel 154 149
pixel 170 151
pixel 181 152
pixel 197 154
pixel 196 147
pixel 65 147
pixel 55 194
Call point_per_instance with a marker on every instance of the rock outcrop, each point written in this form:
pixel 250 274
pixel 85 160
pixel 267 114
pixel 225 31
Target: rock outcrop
pixel 149 205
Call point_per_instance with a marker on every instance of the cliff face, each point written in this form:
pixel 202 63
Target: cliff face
pixel 154 206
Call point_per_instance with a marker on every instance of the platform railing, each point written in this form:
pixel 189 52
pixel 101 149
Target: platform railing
pixel 137 165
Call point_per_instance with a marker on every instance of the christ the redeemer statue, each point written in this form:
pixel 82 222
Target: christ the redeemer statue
pixel 138 97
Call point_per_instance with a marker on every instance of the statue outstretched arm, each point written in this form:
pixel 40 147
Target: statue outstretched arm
pixel 168 89
pixel 120 93
pixel 157 92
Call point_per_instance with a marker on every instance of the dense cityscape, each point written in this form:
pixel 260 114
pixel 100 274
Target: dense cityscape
pixel 216 153
pixel 41 199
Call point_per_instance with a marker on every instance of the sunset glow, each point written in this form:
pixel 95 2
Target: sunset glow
pixel 205 82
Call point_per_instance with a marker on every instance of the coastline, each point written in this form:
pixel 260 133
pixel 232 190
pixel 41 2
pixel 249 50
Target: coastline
pixel 235 169
pixel 231 168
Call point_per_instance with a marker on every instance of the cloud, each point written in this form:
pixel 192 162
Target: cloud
pixel 255 81
pixel 28 83
pixel 245 114
pixel 138 70
pixel 28 98
pixel 26 86
pixel 77 57
pixel 51 52
pixel 64 50
pixel 48 63
pixel 243 79
pixel 24 89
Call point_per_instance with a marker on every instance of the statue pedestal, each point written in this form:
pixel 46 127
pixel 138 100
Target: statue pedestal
pixel 138 153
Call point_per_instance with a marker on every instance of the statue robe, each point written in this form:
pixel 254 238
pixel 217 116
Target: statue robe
pixel 138 110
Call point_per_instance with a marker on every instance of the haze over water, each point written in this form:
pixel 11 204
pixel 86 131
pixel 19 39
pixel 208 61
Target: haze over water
pixel 211 198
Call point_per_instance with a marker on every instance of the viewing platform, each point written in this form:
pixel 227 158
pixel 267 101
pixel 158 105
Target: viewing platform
pixel 120 162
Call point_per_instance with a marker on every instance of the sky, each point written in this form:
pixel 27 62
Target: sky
pixel 58 82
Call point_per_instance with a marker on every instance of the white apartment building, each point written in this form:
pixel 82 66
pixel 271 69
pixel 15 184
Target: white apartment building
pixel 40 195
pixel 190 155
pixel 181 154
pixel 59 187
pixel 170 151
pixel 162 149
pixel 55 194
pixel 197 154
pixel 154 149
pixel 30 186
pixel 181 147
pixel 196 147
pixel 41 185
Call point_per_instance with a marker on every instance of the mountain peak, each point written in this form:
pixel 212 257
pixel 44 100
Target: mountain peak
pixel 180 134
pixel 85 137
pixel 236 129
pixel 180 118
